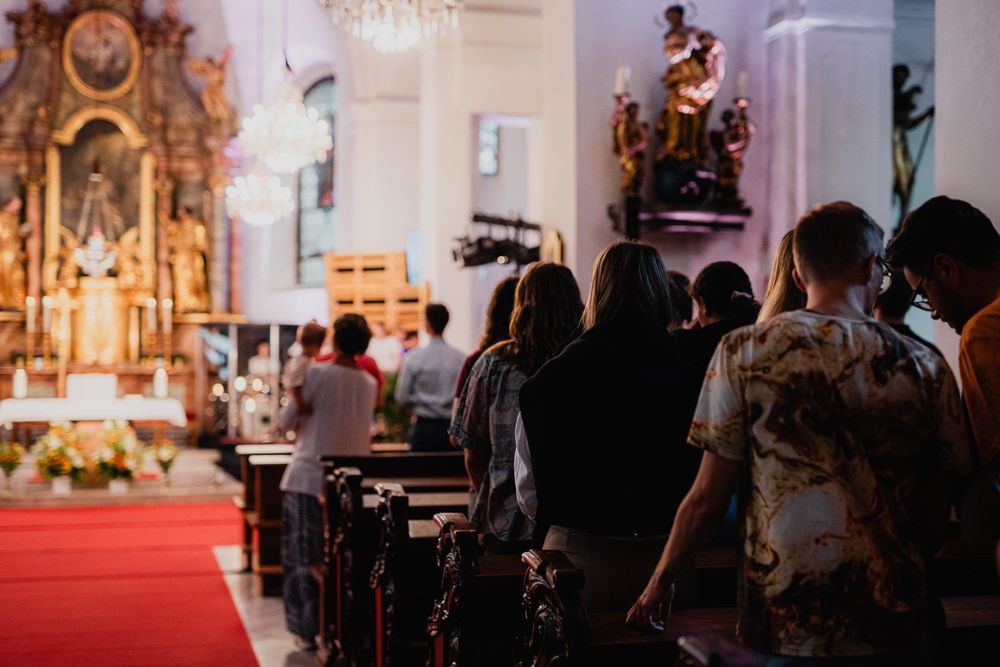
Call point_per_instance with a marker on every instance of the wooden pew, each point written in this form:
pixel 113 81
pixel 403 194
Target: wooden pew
pixel 265 519
pixel 402 464
pixel 557 629
pixel 402 580
pixel 476 615
pixel 351 539
pixel 246 502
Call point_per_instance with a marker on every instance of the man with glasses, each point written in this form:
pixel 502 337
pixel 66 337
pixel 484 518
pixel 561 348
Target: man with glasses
pixel 949 252
pixel 842 437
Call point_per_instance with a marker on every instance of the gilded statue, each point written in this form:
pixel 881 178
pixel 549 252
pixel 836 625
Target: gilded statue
pixel 731 144
pixel 903 169
pixel 188 242
pixel 213 93
pixel 129 266
pixel 12 274
pixel 696 66
pixel 631 138
pixel 68 271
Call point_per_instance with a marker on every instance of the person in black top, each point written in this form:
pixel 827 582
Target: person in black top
pixel 724 296
pixel 891 306
pixel 606 441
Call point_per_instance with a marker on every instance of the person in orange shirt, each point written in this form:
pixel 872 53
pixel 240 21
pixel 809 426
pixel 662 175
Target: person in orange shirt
pixel 949 252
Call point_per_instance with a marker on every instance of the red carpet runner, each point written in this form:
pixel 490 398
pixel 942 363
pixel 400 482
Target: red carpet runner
pixel 133 585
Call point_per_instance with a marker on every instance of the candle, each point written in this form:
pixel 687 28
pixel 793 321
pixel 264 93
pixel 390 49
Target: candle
pixel 168 324
pixel 160 383
pixel 64 306
pixel 20 383
pixel 29 314
pixel 47 302
pixel 742 87
pixel 623 77
pixel 151 315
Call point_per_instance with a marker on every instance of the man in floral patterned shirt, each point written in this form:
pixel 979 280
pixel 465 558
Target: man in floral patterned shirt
pixel 843 436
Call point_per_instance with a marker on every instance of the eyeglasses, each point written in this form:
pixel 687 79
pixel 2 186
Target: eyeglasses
pixel 920 300
pixel 886 275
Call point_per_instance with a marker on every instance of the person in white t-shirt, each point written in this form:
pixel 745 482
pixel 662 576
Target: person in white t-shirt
pixel 343 398
pixel 386 350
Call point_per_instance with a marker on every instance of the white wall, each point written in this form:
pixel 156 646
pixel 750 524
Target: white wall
pixel 967 98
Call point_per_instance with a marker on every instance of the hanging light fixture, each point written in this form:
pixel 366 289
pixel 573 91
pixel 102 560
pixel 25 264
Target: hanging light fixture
pixel 285 134
pixel 393 26
pixel 259 198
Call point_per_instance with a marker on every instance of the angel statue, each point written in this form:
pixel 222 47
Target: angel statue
pixel 631 138
pixel 12 275
pixel 903 120
pixel 213 93
pixel 188 244
pixel 696 66
pixel 731 144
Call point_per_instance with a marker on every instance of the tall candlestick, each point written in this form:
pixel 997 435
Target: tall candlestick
pixel 168 312
pixel 151 316
pixel 742 87
pixel 29 314
pixel 47 303
pixel 623 77
pixel 64 307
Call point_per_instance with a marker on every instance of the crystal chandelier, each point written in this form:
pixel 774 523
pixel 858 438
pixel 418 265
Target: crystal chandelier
pixel 285 134
pixel 258 198
pixel 393 26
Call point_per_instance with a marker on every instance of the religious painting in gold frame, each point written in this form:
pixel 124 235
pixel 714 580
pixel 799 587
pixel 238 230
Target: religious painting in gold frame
pixel 101 54
pixel 57 231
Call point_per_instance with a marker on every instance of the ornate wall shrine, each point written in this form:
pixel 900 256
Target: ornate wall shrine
pixel 114 243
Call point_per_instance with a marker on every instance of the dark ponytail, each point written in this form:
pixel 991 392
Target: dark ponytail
pixel 723 289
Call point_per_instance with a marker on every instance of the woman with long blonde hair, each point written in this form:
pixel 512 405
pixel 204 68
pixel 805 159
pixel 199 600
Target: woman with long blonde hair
pixel 782 294
pixel 601 433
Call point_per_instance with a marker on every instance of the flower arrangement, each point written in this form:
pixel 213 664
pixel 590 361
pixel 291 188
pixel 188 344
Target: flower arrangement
pixel 11 455
pixel 56 454
pixel 121 454
pixel 166 453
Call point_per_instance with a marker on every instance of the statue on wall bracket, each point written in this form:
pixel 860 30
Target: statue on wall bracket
pixel 696 67
pixel 904 169
pixel 730 145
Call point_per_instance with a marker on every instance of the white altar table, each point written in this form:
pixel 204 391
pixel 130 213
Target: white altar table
pixel 81 409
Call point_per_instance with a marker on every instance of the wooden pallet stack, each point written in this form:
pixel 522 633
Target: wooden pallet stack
pixel 374 285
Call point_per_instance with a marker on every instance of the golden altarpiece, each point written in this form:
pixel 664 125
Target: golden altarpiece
pixel 114 243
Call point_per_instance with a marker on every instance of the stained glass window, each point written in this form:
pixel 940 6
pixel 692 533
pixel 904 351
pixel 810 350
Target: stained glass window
pixel 317 209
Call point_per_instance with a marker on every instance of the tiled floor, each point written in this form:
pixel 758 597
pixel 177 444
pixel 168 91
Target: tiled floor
pixel 263 617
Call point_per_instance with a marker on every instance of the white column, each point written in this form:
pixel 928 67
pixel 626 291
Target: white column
pixel 445 182
pixel 830 99
pixel 966 101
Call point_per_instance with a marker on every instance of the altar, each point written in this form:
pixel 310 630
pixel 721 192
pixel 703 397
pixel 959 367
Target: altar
pixel 116 245
pixel 131 409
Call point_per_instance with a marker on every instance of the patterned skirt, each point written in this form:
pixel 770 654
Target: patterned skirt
pixel 301 547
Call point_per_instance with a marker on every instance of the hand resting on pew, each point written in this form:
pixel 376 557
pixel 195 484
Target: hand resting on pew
pixel 698 517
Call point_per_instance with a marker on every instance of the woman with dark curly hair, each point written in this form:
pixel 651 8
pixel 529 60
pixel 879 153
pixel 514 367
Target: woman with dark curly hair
pixel 601 434
pixel 546 317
